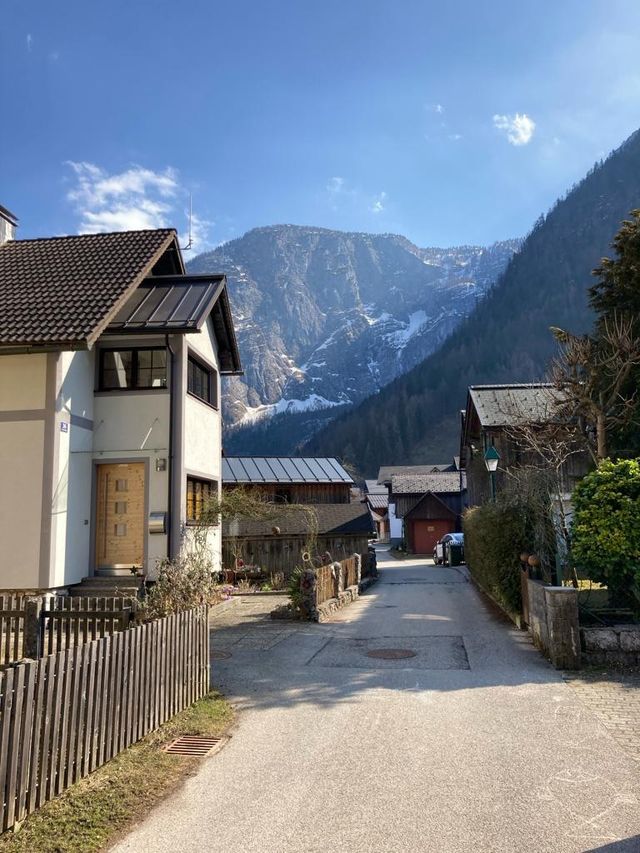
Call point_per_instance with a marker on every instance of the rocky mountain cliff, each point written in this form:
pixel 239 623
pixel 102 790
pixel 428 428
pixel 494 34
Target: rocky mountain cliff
pixel 415 419
pixel 326 318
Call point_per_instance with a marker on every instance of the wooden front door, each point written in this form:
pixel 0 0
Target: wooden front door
pixel 120 515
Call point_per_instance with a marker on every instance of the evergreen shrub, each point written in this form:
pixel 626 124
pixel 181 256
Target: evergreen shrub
pixel 605 533
pixel 495 535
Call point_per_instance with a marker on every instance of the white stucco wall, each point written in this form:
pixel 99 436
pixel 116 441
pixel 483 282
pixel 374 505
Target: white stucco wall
pixel 203 434
pixel 21 462
pixel 395 524
pixel 22 382
pixel 22 431
pixel 71 498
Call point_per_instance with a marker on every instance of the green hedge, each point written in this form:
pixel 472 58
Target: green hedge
pixel 494 537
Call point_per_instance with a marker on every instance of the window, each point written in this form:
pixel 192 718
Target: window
pixel 202 382
pixel 199 494
pixel 132 369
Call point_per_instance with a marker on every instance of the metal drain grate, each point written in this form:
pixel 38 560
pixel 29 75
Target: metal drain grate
pixel 218 654
pixel 194 745
pixel 391 654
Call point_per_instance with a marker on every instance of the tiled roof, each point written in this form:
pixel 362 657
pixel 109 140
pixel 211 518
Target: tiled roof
pixel 374 488
pixel 378 501
pixel 417 484
pixel 509 405
pixel 353 518
pixel 283 469
pixel 388 471
pixel 64 290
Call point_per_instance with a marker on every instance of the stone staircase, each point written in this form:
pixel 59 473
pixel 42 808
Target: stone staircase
pixel 127 586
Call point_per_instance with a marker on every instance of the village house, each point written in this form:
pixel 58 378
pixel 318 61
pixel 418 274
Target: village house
pixel 385 476
pixel 492 421
pixel 377 497
pixel 429 506
pixel 343 526
pixel 110 425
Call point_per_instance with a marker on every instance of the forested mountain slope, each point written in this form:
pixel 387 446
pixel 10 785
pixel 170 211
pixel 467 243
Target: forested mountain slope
pixel 506 338
pixel 325 318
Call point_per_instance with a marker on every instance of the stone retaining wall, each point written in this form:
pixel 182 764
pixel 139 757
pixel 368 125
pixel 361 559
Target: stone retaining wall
pixel 553 623
pixel 618 645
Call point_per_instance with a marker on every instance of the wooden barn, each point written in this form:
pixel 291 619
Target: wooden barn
pixel 321 485
pixel 429 505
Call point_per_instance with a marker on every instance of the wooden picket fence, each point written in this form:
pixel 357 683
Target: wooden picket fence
pixel 66 622
pixel 33 626
pixel 326 586
pixel 12 612
pixel 350 572
pixel 66 714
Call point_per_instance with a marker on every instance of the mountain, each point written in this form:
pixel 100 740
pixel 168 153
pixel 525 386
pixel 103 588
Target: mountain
pixel 506 338
pixel 326 318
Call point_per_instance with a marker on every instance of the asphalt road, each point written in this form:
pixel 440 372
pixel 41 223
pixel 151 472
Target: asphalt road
pixel 472 744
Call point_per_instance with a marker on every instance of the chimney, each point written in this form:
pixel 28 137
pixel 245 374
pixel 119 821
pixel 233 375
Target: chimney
pixel 8 225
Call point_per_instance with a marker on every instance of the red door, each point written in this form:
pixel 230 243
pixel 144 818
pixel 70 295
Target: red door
pixel 425 534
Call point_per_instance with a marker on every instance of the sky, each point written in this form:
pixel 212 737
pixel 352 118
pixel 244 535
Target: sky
pixel 448 122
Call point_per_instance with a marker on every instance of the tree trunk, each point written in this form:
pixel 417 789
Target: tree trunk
pixel 601 431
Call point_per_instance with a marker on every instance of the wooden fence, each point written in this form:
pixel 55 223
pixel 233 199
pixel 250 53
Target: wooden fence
pixel 66 622
pixel 33 626
pixel 68 713
pixel 350 572
pixel 12 611
pixel 326 584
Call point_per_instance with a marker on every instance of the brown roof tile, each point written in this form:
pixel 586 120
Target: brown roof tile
pixel 64 290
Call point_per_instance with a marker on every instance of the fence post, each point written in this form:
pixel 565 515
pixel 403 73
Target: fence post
pixel 358 559
pixel 31 642
pixel 338 573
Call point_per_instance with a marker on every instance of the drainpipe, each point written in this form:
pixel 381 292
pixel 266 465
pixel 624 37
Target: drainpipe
pixel 170 472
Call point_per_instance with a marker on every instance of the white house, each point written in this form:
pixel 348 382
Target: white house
pixel 110 424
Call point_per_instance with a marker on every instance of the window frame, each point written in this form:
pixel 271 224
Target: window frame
pixel 212 377
pixel 213 487
pixel 134 387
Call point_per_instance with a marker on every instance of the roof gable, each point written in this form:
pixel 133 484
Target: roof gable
pixel 63 291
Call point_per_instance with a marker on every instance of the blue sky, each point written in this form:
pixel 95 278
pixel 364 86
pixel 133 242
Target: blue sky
pixel 446 122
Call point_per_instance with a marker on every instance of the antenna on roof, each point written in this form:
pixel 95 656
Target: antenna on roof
pixel 190 240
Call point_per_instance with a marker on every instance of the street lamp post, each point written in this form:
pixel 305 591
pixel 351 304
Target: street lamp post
pixel 491 459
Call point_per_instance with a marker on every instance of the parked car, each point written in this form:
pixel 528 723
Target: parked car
pixel 441 553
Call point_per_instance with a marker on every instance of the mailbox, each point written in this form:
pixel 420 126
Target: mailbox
pixel 157 522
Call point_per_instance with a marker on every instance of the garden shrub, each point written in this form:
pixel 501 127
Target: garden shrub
pixel 495 534
pixel 605 532
pixel 181 585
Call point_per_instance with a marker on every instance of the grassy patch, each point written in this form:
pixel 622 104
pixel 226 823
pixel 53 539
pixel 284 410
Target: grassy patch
pixel 91 813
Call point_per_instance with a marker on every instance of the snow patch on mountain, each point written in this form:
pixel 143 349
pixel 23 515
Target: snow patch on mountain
pixel 312 403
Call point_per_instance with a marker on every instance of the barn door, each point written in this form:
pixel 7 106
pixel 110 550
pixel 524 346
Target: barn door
pixel 120 516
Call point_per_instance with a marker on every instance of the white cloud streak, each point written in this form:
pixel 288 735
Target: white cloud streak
pixel 29 41
pixel 378 203
pixel 519 128
pixel 137 198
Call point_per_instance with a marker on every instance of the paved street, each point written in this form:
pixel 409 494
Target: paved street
pixel 471 744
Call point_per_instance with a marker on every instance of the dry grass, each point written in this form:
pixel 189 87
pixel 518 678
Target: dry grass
pixel 92 813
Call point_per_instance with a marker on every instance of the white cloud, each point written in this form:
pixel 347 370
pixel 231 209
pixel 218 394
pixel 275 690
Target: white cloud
pixel 439 109
pixel 135 199
pixel 378 203
pixel 335 185
pixel 455 137
pixel 29 42
pixel 519 128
